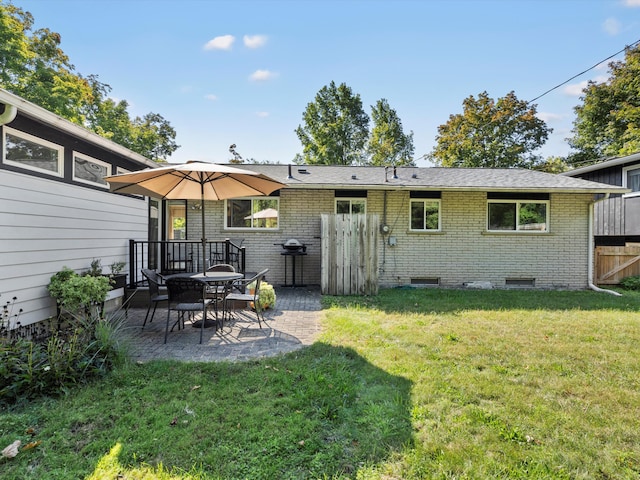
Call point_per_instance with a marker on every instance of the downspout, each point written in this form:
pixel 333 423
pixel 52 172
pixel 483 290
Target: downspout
pixel 9 114
pixel 591 247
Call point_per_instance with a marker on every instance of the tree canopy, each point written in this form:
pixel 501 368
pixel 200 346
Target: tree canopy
pixel 503 133
pixel 335 128
pixel 336 131
pixel 607 122
pixel 388 144
pixel 33 66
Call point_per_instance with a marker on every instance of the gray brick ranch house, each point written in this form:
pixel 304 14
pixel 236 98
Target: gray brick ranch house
pixel 439 226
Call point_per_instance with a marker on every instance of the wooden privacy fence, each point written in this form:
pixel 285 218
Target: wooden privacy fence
pixel 349 254
pixel 612 264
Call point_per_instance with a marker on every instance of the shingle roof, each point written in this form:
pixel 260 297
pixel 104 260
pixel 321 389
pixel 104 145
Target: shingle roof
pixel 426 178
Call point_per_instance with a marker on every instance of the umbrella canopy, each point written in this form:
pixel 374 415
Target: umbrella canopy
pixel 194 181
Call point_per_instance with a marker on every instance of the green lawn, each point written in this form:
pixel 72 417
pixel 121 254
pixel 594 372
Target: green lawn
pixel 411 384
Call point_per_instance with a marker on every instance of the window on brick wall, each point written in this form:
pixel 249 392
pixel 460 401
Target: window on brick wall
pixel 528 214
pixel 351 201
pixel 424 211
pixel 253 213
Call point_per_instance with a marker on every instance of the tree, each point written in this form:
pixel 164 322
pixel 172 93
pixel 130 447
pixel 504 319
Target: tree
pixel 33 66
pixel 608 121
pixel 501 134
pixel 388 145
pixel 335 129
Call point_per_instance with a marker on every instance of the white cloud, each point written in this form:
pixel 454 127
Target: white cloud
pixel 261 75
pixel 575 89
pixel 223 42
pixel 631 3
pixel 550 117
pixel 262 114
pixel 211 96
pixel 612 26
pixel 254 41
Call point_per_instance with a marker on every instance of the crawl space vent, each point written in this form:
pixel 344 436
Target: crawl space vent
pixel 425 282
pixel 520 282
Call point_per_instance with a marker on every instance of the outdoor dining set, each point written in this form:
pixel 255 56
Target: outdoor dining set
pixel 214 294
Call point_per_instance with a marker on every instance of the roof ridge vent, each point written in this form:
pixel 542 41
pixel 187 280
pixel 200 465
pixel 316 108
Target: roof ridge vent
pixel 302 170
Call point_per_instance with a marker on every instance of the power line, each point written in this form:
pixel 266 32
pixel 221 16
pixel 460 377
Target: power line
pixel 588 69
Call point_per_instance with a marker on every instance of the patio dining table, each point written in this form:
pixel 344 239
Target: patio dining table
pixel 219 282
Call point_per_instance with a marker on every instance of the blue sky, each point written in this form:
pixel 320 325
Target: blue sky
pixel 242 72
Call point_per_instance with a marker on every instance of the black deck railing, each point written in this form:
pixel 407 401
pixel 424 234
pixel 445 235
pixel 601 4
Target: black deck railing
pixel 178 256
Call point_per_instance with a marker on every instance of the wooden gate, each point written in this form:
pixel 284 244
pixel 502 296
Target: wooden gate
pixel 612 264
pixel 349 254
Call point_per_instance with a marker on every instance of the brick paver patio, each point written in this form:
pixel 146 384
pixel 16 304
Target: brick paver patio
pixel 291 325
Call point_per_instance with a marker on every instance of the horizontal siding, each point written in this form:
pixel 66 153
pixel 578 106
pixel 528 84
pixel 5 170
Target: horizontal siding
pixel 45 225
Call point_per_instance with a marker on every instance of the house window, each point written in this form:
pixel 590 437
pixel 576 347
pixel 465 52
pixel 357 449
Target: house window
pixel 631 178
pixel 176 220
pixel 425 215
pixel 351 205
pixel 89 170
pixel 351 201
pixel 521 216
pixel 253 213
pixel 32 153
pixel 424 211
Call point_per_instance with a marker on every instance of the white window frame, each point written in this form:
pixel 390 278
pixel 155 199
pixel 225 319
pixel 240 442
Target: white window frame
pixel 251 228
pixel 517 229
pixel 38 141
pixel 625 183
pixel 89 159
pixel 424 201
pixel 351 201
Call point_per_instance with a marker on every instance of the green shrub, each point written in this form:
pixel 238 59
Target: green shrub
pixel 267 297
pixel 631 283
pixel 78 293
pixel 89 348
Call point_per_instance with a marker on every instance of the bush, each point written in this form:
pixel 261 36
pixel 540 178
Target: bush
pixel 267 296
pixel 631 283
pixel 89 348
pixel 78 293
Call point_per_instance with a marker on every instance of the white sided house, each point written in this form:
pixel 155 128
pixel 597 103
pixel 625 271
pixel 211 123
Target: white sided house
pixel 55 207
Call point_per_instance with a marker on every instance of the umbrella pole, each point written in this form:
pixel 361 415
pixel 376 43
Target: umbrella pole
pixel 204 239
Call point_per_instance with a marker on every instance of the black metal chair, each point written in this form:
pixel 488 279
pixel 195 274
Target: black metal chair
pixel 186 295
pixel 242 295
pixel 155 297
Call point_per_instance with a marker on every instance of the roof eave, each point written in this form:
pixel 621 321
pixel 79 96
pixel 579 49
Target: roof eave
pixel 350 186
pixel 38 113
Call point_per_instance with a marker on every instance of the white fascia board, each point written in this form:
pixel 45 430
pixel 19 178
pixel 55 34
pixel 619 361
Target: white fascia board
pixel 32 110
pixel 605 164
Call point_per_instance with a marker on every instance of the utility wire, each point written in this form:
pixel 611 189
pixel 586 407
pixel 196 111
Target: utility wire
pixel 581 73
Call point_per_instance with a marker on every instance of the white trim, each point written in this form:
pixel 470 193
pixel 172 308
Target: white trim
pixel 95 161
pixel 625 172
pixel 34 111
pixel 438 201
pixel 251 229
pixel 516 230
pixel 38 141
pixel 351 201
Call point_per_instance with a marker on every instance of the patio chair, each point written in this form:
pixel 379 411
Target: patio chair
pixel 186 295
pixel 155 297
pixel 248 296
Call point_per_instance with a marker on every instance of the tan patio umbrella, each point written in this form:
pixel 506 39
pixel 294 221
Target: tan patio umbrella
pixel 194 181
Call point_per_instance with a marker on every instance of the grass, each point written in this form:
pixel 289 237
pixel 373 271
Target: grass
pixel 410 384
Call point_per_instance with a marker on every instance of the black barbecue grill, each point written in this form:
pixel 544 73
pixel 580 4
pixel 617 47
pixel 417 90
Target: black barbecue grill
pixel 293 248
